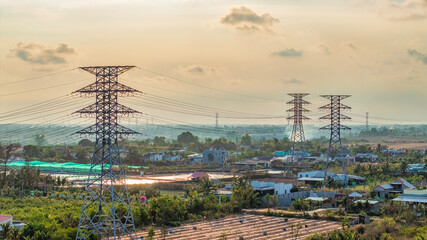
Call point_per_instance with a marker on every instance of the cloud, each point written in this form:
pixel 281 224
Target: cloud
pixel 322 48
pixel 419 56
pixel 197 70
pixel 289 52
pixel 291 81
pixel 349 45
pixel 244 19
pixel 40 54
pixel 401 10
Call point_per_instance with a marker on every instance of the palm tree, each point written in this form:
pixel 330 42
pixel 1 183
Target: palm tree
pixel 14 234
pixel 5 229
pixel 207 186
pixel 403 167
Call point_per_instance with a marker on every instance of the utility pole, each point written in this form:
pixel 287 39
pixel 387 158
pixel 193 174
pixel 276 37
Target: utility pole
pixel 367 123
pixel 298 110
pixel 335 146
pixel 106 188
pixel 216 120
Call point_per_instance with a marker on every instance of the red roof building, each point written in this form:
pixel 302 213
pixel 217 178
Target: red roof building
pixel 199 176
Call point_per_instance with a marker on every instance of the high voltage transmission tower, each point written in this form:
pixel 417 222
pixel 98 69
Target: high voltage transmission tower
pixel 298 110
pixel 106 211
pixel 335 146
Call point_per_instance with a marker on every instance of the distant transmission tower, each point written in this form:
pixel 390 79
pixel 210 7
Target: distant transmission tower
pixel 106 212
pixel 298 110
pixel 216 120
pixel 335 146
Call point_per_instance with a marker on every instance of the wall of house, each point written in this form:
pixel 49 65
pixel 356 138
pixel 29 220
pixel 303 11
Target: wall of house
pixel 279 188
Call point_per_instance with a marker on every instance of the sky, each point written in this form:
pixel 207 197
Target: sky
pixel 241 56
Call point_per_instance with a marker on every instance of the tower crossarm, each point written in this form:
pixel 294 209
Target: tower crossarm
pixel 92 110
pixel 297 109
pixel 117 88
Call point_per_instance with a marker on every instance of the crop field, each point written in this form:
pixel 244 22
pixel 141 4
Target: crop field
pixel 247 226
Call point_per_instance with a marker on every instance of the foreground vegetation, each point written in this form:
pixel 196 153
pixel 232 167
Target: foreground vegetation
pixel 57 216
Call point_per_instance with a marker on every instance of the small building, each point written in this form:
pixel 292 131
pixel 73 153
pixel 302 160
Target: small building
pixel 313 177
pixel 224 191
pixel 320 201
pixel 195 158
pixel 413 197
pixel 365 157
pixel 373 205
pixel 416 168
pixel 156 156
pixel 355 195
pixel 199 176
pixel 215 156
pixel 393 152
pixel 272 186
pixel 4 219
pixel 281 154
pixel 252 164
pixel 395 187
pixel 173 157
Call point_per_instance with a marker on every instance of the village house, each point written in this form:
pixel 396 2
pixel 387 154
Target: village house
pixel 272 186
pixel 413 197
pixel 199 176
pixel 215 156
pixel 384 190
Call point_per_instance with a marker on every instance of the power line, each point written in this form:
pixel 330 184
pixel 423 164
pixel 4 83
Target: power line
pixel 39 89
pixel 196 95
pixel 202 86
pixel 29 79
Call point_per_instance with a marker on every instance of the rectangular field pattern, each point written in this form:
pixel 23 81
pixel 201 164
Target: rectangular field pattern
pixel 247 226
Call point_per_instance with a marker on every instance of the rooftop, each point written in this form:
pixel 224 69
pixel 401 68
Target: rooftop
pixel 4 217
pixel 277 180
pixel 372 202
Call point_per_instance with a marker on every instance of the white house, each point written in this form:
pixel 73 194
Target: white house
pixel 157 156
pixel 272 186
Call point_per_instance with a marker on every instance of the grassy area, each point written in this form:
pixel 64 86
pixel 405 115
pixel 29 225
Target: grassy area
pixel 172 193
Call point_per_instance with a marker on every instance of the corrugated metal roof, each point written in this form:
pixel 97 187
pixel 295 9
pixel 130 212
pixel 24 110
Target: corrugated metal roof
pixel 411 198
pixel 369 201
pixel 386 186
pixel 404 182
pixel 355 194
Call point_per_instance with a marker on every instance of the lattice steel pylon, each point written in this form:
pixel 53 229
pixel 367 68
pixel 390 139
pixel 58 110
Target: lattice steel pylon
pixel 298 110
pixel 106 211
pixel 335 146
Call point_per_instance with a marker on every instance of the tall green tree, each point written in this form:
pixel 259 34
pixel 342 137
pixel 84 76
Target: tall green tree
pixel 6 152
pixel 40 139
pixel 186 138
pixel 246 140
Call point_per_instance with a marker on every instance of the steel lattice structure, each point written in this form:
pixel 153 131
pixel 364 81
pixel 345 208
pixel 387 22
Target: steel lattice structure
pixel 298 110
pixel 106 211
pixel 335 116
